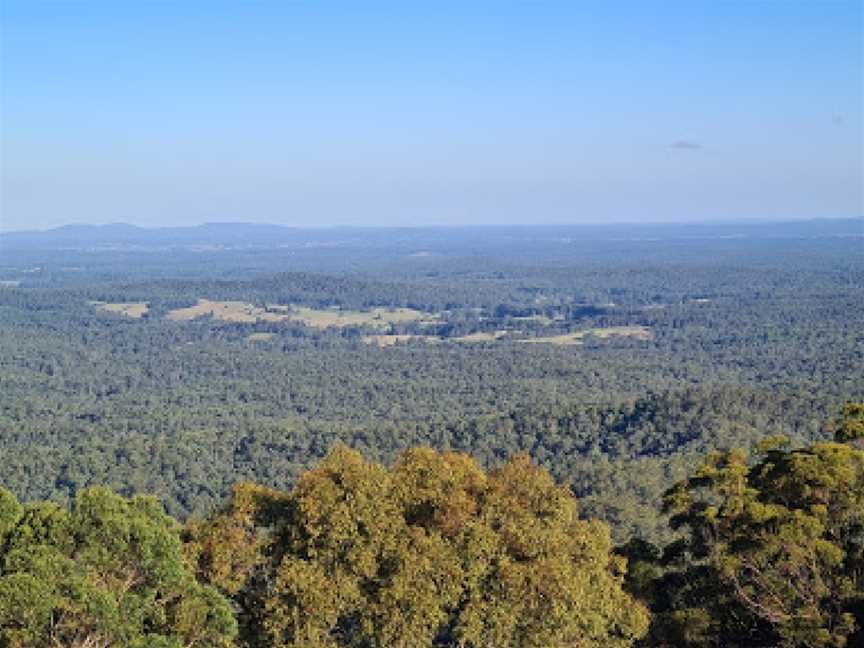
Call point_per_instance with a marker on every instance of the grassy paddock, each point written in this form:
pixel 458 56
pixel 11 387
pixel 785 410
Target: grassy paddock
pixel 378 317
pixel 229 311
pixel 392 340
pixel 237 311
pixel 481 336
pixel 260 337
pixel 129 309
pixel 576 338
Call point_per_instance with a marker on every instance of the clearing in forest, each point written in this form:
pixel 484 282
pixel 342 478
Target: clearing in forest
pixel 260 337
pixel 540 319
pixel 481 336
pixel 378 317
pixel 230 311
pixel 576 337
pixel 237 311
pixel 129 309
pixel 392 340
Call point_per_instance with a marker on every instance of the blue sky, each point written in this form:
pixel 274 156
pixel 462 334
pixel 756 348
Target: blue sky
pixel 326 113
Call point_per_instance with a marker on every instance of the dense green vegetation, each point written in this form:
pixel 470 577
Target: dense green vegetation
pixel 773 549
pixel 436 552
pixel 107 572
pixel 183 409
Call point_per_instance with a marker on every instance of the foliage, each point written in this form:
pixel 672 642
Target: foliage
pixel 107 572
pixel 850 427
pixel 431 552
pixel 435 551
pixel 774 551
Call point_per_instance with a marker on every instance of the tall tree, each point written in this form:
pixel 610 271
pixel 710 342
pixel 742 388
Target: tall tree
pixel 108 572
pixel 782 540
pixel 432 552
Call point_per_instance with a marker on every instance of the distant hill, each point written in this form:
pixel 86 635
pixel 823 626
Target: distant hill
pixel 125 235
pixel 244 235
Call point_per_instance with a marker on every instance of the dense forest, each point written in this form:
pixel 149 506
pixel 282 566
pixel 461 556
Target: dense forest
pixel 433 551
pixel 214 399
pixel 613 362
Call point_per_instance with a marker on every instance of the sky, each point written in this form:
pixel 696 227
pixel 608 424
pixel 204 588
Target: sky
pixel 429 113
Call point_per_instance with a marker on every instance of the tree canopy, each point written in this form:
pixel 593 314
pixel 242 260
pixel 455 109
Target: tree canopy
pixel 107 572
pixel 433 551
pixel 773 550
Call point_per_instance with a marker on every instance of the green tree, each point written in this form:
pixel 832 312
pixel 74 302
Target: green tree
pixel 783 539
pixel 108 572
pixel 849 428
pixel 353 572
pixel 536 574
pixel 433 551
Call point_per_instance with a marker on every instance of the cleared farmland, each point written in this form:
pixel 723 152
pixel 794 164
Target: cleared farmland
pixel 392 340
pixel 378 317
pixel 260 337
pixel 129 309
pixel 577 337
pixel 229 311
pixel 483 336
pixel 237 311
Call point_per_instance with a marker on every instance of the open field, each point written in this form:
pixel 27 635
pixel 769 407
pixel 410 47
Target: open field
pixel 378 317
pixel 260 337
pixel 576 338
pixel 540 319
pixel 237 311
pixel 129 309
pixel 230 311
pixel 481 336
pixel 567 339
pixel 392 340
pixel 381 318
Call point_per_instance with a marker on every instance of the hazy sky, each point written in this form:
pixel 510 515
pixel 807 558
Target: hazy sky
pixel 308 113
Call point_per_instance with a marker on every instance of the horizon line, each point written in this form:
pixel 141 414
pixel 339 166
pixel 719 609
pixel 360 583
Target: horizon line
pixel 379 226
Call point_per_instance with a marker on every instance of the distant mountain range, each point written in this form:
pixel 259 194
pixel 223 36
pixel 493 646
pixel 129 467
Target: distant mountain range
pixel 245 235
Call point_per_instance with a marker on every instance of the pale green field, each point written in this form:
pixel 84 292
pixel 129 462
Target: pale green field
pixel 481 337
pixel 540 319
pixel 392 340
pixel 230 311
pixel 381 318
pixel 575 338
pixel 129 309
pixel 568 339
pixel 260 337
pixel 237 311
pixel 378 317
